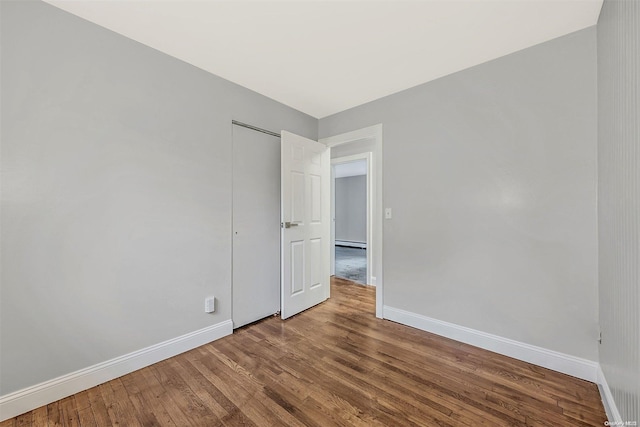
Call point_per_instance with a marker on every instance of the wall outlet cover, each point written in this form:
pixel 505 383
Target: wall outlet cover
pixel 210 305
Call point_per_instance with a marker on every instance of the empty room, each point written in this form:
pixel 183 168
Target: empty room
pixel 318 213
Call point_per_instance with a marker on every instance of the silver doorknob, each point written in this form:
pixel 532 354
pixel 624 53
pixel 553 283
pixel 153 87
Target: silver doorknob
pixel 290 224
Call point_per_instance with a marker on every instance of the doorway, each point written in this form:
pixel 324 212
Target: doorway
pixel 350 218
pixel 366 142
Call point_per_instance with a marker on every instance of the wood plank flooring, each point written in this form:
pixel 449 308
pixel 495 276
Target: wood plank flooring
pixel 335 364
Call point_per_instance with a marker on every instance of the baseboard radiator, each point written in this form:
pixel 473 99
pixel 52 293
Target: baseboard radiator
pixel 351 244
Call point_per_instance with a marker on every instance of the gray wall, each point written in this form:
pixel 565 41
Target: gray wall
pixel 351 208
pixel 491 174
pixel 619 201
pixel 116 193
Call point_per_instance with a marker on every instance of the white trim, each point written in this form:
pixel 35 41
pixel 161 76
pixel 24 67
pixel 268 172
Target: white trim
pixel 610 407
pixel 560 362
pixel 374 131
pixel 332 218
pixel 376 173
pixel 27 399
pixel 326 223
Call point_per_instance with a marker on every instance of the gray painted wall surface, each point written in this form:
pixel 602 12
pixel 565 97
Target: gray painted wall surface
pixel 116 193
pixel 491 174
pixel 619 201
pixel 351 208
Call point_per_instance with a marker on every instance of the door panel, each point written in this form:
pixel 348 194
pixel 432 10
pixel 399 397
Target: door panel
pixel 297 267
pixel 256 226
pixel 305 218
pixel 315 252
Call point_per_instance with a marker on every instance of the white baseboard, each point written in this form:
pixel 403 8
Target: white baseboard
pixel 613 415
pixel 33 397
pixel 560 362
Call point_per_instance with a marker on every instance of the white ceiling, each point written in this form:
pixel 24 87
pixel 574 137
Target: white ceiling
pixel 355 168
pixel 322 57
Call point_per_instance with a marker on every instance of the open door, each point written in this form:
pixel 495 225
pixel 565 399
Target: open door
pixel 305 180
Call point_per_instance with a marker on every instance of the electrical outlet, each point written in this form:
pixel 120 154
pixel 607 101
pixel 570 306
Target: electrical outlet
pixel 209 305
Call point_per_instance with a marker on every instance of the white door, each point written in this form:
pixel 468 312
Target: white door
pixel 305 180
pixel 256 226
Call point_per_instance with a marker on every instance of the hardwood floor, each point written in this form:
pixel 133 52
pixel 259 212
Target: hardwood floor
pixel 335 364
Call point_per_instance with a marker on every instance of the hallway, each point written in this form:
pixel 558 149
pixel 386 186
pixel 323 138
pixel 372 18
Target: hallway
pixel 351 263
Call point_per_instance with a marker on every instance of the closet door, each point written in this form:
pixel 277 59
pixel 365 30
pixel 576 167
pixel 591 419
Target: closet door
pixel 256 225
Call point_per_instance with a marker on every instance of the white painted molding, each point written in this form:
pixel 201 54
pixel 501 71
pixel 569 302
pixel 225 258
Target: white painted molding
pixel 613 415
pixel 374 131
pixel 556 361
pixel 33 397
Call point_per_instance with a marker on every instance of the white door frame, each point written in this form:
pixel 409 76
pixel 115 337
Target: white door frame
pixel 369 202
pixel 370 133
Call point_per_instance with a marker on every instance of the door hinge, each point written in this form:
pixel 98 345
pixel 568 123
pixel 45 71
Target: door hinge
pixel 600 338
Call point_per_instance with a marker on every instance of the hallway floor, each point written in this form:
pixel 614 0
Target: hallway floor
pixel 351 263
